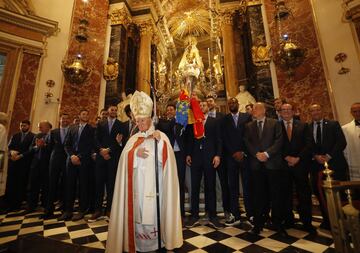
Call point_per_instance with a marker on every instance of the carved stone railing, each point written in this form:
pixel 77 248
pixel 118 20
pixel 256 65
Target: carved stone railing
pixel 344 215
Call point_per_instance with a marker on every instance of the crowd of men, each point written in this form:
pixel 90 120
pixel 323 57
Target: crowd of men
pixel 274 155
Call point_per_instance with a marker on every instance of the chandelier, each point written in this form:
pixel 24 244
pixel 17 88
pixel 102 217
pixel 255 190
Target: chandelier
pixel 75 70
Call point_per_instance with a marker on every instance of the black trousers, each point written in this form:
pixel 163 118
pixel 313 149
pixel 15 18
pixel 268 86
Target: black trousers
pixel 181 169
pixel 38 182
pixel 298 178
pixel 268 184
pixel 105 175
pixel 57 183
pixel 82 174
pixel 209 172
pixel 17 181
pixel 247 190
pixel 233 170
pixel 224 184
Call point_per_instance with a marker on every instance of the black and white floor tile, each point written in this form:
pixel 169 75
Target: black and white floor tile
pixel 199 239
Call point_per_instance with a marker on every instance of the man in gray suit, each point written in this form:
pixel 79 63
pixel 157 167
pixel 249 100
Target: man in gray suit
pixel 263 139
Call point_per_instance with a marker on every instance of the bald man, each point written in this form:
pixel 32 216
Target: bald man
pixel 39 170
pixel 263 139
pixel 328 146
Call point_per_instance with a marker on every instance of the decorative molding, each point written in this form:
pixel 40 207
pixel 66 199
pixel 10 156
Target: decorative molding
pixel 352 10
pixel 44 26
pixel 146 27
pixel 120 16
pixel 227 17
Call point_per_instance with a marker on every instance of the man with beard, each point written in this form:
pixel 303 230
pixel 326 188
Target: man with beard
pixel 19 166
pixel 234 149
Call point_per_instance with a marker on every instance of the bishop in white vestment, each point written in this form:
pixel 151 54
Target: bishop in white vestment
pixel 133 220
pixel 352 150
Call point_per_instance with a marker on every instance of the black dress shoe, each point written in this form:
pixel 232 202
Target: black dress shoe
pixel 256 230
pixel 66 216
pixel 78 216
pixel 309 228
pixel 282 232
pixel 47 215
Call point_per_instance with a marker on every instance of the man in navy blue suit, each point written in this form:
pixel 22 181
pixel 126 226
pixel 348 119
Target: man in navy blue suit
pixel 203 155
pixel 57 165
pixel 233 127
pixel 79 146
pixel 109 143
pixel 328 146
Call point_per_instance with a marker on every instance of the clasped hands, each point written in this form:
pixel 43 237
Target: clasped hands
pixel 261 156
pixel 75 160
pixel 292 161
pixel 321 159
pixel 14 155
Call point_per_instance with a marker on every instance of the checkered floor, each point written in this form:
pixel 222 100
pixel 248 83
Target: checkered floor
pixel 198 239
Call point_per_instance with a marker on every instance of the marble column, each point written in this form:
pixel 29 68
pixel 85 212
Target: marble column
pixel 231 78
pixel 143 74
pixel 86 95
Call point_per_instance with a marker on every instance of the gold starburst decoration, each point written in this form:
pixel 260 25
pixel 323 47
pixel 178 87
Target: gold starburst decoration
pixel 190 23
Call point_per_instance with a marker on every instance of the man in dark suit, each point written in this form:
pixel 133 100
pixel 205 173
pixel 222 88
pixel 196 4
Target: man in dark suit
pixel 39 169
pixel 79 146
pixel 176 135
pixel 19 166
pixel 203 155
pixel 57 166
pixel 263 139
pixel 328 146
pixel 109 144
pixel 220 170
pixel 233 127
pixel 297 155
pixel 130 125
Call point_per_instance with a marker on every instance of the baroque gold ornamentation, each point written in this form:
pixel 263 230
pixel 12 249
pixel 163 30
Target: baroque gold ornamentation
pixel 146 28
pixel 120 17
pixel 260 52
pixel 111 69
pixel 227 17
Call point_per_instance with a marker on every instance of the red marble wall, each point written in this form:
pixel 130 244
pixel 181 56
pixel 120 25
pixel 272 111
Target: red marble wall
pixel 86 95
pixel 308 85
pixel 25 91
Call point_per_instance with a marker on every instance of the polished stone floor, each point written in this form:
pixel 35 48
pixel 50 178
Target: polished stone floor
pixel 202 238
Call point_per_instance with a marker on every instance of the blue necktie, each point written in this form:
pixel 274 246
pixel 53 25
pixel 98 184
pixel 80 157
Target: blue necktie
pixel 110 123
pixel 235 117
pixel 81 127
pixel 62 135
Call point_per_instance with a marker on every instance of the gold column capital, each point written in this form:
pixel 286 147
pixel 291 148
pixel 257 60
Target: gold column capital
pixel 227 17
pixel 120 16
pixel 146 28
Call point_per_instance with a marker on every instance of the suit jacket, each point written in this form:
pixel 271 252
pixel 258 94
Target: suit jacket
pixel 233 136
pixel 106 139
pixel 23 147
pixel 333 144
pixel 202 151
pixel 58 154
pixel 173 131
pixel 41 155
pixel 300 144
pixel 85 146
pixel 271 142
